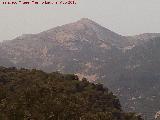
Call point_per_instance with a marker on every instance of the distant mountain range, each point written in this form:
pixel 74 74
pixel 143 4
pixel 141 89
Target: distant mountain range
pixel 128 65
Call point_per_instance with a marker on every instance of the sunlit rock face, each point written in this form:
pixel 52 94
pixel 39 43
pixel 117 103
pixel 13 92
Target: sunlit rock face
pixel 157 116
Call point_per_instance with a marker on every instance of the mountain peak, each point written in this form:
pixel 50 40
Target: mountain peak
pixel 85 20
pixel 85 29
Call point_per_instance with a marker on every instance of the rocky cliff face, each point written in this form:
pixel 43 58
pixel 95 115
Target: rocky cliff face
pixel 157 115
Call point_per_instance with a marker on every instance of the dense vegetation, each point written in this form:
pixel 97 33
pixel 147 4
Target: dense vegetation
pixel 36 95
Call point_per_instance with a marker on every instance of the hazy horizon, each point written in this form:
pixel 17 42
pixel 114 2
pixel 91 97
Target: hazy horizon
pixel 123 17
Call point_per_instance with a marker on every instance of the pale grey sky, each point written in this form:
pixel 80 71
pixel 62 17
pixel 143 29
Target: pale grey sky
pixel 126 17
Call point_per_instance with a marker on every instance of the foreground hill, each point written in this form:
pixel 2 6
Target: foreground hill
pixel 36 95
pixel 129 66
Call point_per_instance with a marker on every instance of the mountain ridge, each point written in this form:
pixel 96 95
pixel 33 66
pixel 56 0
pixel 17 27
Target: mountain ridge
pixel 92 51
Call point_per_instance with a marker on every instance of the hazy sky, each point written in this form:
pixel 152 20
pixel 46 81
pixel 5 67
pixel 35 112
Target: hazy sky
pixel 126 17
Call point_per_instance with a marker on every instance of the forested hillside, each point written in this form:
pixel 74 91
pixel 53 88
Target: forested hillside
pixel 36 95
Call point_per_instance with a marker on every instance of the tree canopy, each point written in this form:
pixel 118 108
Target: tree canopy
pixel 36 95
